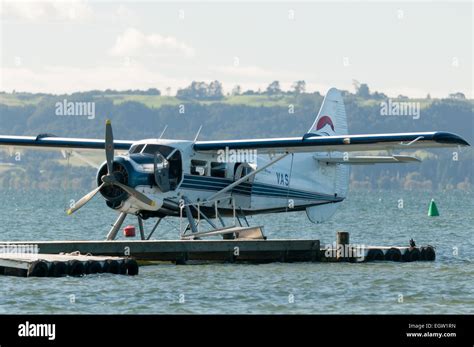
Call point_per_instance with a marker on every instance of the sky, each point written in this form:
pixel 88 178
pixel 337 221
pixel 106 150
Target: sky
pixel 412 49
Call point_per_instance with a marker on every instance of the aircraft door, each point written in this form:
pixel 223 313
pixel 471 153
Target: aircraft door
pixel 162 172
pixel 241 193
pixel 167 168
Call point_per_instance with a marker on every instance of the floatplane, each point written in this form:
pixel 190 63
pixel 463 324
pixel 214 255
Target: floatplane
pixel 206 180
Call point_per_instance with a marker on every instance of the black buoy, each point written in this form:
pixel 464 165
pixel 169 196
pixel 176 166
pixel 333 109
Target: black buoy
pixel 132 267
pixel 111 266
pixel 93 267
pixel 122 267
pixel 58 269
pixel 393 254
pixel 427 253
pixel 412 254
pixel 375 254
pixel 76 268
pixel 38 269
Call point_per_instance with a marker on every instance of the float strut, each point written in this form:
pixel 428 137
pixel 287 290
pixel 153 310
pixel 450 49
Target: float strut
pixel 205 217
pixel 189 215
pixel 140 226
pixel 154 228
pixel 115 228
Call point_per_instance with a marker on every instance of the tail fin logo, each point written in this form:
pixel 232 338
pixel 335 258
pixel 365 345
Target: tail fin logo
pixel 323 121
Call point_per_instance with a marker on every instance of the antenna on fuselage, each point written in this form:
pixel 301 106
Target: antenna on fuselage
pixel 163 132
pixel 197 134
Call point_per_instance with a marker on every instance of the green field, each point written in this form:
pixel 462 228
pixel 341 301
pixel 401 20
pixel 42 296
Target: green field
pixel 20 99
pixel 151 101
pixel 424 103
pixel 157 101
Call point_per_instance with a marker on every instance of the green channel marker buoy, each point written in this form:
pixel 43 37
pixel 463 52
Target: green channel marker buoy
pixel 433 209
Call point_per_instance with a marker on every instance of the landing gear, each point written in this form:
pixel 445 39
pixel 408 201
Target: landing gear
pixel 193 213
pixel 186 205
pixel 231 232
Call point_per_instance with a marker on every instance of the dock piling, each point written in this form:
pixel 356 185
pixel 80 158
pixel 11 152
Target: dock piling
pixel 342 245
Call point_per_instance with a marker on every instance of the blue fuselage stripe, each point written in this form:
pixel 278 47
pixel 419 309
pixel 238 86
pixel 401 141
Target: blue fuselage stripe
pixel 216 184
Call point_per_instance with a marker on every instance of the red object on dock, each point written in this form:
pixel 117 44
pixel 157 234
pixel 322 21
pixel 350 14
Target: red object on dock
pixel 129 231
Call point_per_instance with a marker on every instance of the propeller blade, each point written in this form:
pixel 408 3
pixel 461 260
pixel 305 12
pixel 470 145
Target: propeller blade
pixel 136 194
pixel 109 146
pixel 84 200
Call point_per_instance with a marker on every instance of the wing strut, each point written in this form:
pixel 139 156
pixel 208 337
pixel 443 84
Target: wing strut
pixel 412 142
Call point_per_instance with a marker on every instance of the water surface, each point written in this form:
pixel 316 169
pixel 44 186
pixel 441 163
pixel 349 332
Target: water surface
pixel 443 286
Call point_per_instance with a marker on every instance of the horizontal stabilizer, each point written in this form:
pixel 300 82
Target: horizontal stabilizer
pixel 366 160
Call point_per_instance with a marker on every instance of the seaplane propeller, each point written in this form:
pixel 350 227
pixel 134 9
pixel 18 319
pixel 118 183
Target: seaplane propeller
pixel 110 178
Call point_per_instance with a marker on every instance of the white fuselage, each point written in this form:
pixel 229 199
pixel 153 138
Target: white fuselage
pixel 295 182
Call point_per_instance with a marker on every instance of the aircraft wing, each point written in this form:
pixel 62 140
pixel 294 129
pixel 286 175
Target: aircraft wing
pixel 339 143
pixel 367 160
pixel 53 142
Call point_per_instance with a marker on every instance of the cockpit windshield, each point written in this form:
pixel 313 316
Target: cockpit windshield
pixel 135 149
pixel 152 149
pixel 167 163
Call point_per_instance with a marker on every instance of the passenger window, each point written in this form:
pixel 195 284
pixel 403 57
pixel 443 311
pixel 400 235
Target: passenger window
pixel 199 167
pixel 218 169
pixel 241 170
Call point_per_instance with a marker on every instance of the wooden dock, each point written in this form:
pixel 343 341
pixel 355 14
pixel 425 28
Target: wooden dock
pixel 185 251
pixel 58 265
pixel 232 251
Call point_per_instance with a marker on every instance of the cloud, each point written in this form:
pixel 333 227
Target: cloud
pixel 45 10
pixel 124 12
pixel 135 43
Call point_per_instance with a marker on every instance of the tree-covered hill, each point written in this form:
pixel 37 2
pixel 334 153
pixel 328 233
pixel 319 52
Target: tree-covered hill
pixel 144 114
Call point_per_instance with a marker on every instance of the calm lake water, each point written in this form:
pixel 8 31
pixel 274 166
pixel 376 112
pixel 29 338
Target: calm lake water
pixel 443 286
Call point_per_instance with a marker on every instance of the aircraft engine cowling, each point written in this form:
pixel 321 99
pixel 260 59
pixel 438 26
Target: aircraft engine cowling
pixel 114 181
pixel 112 194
